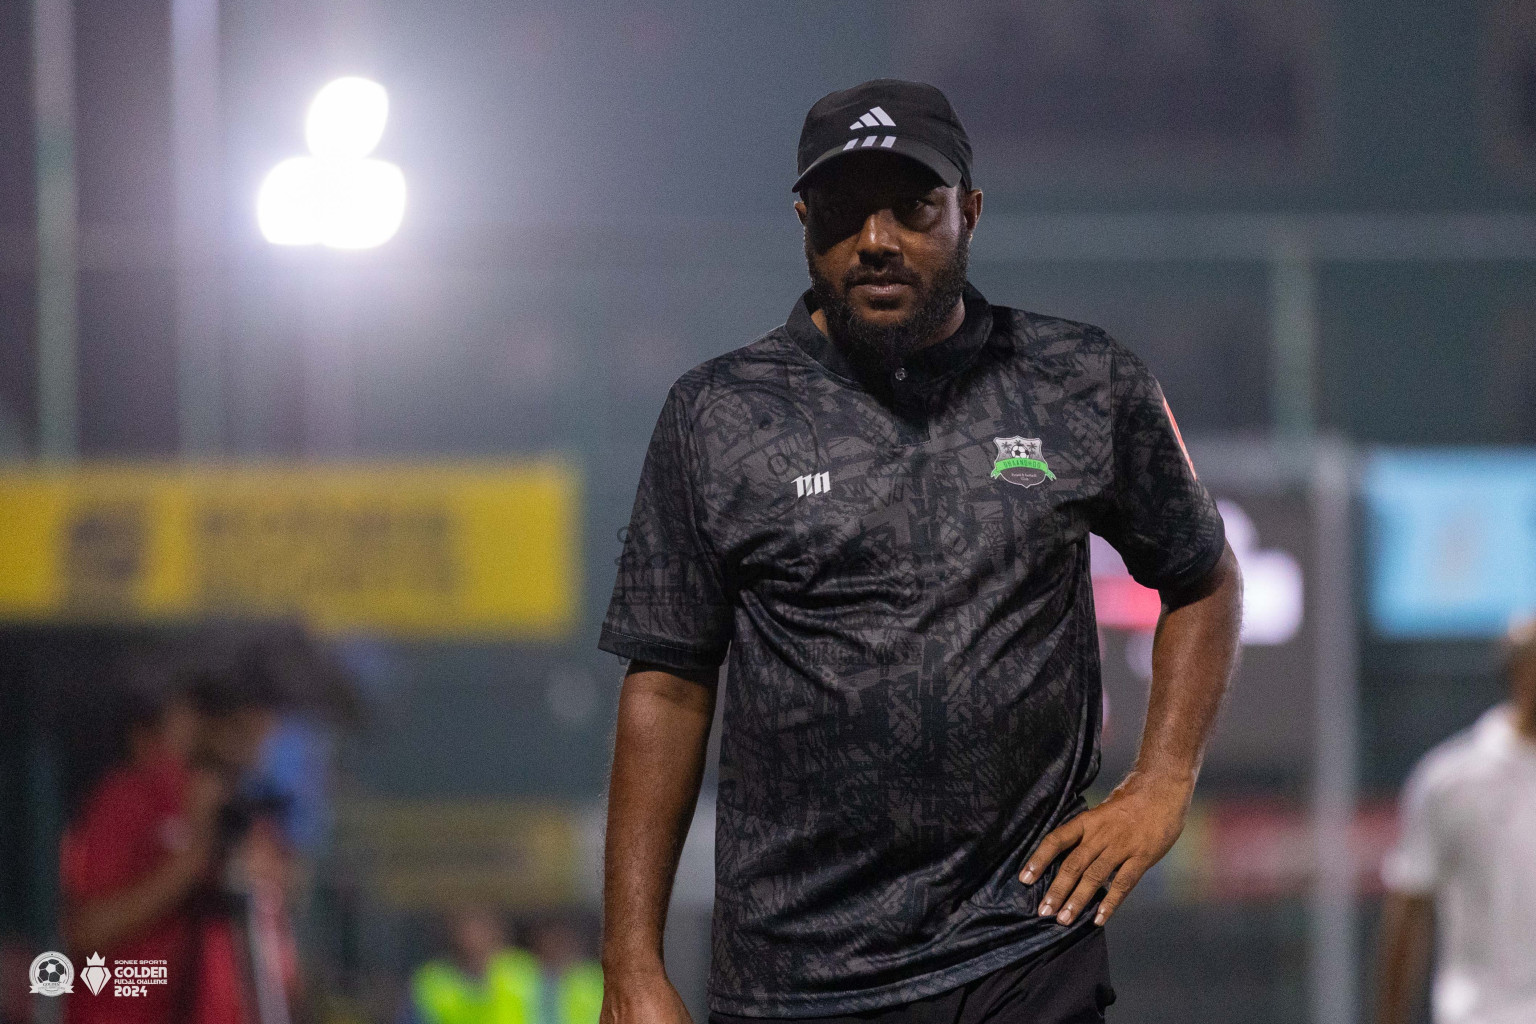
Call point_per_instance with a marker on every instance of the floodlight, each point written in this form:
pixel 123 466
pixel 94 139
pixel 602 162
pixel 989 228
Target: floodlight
pixel 337 196
pixel 346 119
pixel 288 205
pixel 363 202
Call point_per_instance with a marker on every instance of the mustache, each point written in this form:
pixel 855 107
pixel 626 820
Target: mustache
pixel 890 275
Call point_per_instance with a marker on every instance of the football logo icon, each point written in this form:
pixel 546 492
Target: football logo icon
pixel 52 974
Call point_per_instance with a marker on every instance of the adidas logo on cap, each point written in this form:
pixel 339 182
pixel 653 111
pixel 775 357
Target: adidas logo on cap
pixel 872 118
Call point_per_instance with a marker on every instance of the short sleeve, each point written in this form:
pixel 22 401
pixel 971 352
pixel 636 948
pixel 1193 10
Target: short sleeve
pixel 112 842
pixel 1156 513
pixel 669 603
pixel 1413 865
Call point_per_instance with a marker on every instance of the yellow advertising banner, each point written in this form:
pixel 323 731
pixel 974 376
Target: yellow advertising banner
pixel 430 551
pixel 437 855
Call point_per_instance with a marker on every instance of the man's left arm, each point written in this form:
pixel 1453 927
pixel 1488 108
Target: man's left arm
pixel 1194 652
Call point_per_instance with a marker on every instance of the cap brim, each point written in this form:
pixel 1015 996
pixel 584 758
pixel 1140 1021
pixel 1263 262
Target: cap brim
pixel 909 148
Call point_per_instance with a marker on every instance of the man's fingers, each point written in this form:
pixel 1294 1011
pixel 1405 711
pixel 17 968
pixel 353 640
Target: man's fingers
pixel 1093 879
pixel 1059 839
pixel 1125 880
pixel 1067 876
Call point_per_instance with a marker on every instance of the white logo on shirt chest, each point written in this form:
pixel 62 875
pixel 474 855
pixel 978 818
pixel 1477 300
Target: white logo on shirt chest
pixel 815 483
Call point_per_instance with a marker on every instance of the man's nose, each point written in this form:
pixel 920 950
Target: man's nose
pixel 877 238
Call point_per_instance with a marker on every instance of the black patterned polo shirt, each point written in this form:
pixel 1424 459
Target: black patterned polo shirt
pixel 894 566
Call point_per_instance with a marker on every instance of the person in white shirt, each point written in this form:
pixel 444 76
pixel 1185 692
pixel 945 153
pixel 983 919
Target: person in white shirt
pixel 1464 869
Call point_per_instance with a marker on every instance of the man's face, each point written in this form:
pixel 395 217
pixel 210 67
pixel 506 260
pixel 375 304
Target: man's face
pixel 1522 675
pixel 234 741
pixel 477 936
pixel 886 243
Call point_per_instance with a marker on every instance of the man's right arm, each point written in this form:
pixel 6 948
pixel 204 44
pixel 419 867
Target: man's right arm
pixel 1412 872
pixel 1407 926
pixel 104 921
pixel 658 763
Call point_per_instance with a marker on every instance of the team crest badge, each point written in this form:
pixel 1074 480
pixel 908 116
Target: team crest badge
pixel 52 975
pixel 1020 461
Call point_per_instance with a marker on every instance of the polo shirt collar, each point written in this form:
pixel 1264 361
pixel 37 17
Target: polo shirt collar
pixel 927 364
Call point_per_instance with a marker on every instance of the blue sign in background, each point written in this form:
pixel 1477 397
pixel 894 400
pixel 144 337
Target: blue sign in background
pixel 1452 541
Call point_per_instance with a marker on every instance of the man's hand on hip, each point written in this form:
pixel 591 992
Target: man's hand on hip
pixel 1194 651
pixel 642 999
pixel 1113 844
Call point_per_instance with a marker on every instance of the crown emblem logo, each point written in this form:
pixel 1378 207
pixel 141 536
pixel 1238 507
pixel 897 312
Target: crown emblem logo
pixel 96 973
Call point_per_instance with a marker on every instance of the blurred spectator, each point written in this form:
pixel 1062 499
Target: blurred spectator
pixel 143 863
pixel 482 982
pixel 572 991
pixel 1465 867
pixel 488 982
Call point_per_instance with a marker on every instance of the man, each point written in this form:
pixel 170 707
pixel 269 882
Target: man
pixel 141 864
pixel 487 982
pixel 571 982
pixel 1463 867
pixel 881 511
pixel 482 981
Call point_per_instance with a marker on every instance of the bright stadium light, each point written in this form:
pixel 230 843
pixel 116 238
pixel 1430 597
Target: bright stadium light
pixel 337 196
pixel 346 119
pixel 364 201
pixel 288 205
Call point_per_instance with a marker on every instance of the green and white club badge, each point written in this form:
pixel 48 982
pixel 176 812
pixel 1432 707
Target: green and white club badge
pixel 1020 461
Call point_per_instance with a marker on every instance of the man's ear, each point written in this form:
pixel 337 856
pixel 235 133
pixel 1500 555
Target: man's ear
pixel 800 211
pixel 970 209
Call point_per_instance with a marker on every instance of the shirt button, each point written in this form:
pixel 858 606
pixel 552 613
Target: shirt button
pixel 901 373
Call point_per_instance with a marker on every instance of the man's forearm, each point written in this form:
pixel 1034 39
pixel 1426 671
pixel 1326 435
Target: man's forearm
pixel 1193 655
pixel 658 762
pixel 1406 930
pixel 103 923
pixel 1115 843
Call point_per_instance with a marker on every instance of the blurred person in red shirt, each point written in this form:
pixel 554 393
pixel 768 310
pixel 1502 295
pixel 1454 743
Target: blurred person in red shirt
pixel 143 862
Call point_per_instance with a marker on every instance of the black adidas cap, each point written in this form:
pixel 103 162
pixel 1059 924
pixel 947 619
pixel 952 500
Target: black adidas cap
pixel 909 118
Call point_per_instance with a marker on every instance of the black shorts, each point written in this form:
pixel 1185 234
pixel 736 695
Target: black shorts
pixel 1066 985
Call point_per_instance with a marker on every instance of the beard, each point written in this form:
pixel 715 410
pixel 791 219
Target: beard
pixel 883 347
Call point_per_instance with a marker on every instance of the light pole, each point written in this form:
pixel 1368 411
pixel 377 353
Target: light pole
pixel 53 104
pixel 338 197
pixel 199 263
